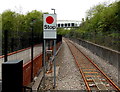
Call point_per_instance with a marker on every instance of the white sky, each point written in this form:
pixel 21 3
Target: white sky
pixel 65 9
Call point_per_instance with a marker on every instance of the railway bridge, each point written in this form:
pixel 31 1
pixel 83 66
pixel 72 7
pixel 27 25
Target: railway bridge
pixel 68 23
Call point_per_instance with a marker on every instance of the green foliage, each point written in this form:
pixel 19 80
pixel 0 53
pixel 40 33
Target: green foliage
pixel 19 24
pixel 101 25
pixel 63 31
pixel 19 28
pixel 0 22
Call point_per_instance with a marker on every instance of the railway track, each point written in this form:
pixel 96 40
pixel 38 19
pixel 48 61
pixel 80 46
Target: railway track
pixel 94 78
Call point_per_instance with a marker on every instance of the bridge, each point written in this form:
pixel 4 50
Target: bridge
pixel 68 23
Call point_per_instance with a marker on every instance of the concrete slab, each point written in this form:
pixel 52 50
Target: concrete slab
pixel 52 74
pixel 24 55
pixel 37 82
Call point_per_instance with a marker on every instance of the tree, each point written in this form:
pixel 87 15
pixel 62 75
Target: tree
pixel 101 26
pixel 19 28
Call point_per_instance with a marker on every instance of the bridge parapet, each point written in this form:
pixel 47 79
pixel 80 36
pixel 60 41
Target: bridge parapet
pixel 68 23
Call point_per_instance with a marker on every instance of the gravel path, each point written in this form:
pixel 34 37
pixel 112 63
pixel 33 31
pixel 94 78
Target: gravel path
pixel 69 77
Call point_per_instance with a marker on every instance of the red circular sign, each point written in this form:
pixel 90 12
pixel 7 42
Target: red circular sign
pixel 49 20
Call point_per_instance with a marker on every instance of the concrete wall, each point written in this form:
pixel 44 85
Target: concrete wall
pixel 112 56
pixel 37 65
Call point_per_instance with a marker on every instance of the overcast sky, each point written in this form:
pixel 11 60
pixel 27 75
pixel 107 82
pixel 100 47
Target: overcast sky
pixel 65 9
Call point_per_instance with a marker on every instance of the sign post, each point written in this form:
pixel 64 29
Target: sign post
pixel 49 32
pixel 54 64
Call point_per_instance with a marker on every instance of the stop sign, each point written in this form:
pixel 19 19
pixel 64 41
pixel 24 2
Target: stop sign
pixel 49 22
pixel 49 26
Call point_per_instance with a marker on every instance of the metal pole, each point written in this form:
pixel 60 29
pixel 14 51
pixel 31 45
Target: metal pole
pixel 53 10
pixel 5 44
pixel 44 64
pixel 54 64
pixel 32 55
pixel 48 44
pixel 54 59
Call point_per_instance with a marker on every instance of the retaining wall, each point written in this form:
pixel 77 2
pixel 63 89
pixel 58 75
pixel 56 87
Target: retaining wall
pixel 111 56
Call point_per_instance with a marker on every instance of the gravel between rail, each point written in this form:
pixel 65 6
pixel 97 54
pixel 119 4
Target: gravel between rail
pixel 69 77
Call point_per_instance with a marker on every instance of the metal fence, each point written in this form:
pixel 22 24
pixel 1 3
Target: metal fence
pixel 17 42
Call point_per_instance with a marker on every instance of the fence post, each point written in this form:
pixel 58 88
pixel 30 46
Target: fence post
pixel 5 45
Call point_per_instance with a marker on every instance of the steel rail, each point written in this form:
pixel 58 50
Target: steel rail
pixel 113 84
pixel 88 88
